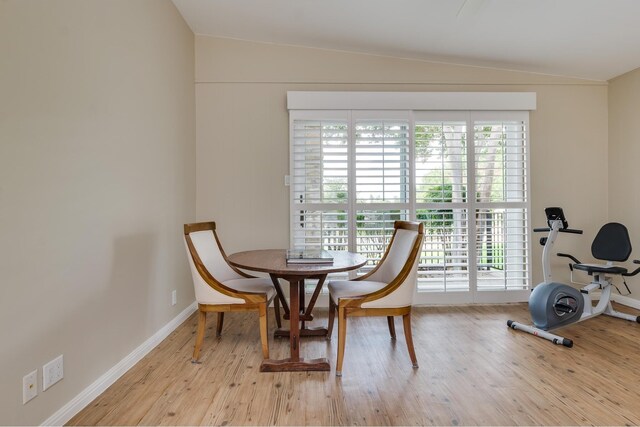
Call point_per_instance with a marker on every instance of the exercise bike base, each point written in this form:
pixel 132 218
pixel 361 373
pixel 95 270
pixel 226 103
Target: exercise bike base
pixel 556 339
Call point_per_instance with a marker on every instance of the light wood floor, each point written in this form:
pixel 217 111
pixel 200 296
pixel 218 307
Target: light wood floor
pixel 473 371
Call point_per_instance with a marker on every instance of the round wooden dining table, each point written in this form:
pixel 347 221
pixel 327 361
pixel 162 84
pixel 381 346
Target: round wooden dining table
pixel 273 262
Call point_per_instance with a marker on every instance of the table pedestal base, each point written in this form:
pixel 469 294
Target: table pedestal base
pixel 273 261
pixel 291 365
pixel 306 332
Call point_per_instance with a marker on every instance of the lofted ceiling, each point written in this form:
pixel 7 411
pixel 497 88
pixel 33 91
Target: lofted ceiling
pixel 590 39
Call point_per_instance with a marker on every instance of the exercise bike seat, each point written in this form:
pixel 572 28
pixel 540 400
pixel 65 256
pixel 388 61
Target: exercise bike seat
pixel 612 243
pixel 600 268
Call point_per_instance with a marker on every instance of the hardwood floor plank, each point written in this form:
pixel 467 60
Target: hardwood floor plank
pixel 473 371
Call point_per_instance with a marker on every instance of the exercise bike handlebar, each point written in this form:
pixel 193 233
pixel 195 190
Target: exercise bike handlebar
pixel 574 259
pixel 562 230
pixel 634 272
pixel 570 230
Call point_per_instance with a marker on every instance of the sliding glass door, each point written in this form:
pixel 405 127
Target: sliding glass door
pixel 463 174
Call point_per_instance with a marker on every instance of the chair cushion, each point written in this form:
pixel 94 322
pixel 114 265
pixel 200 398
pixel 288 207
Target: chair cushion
pixel 397 257
pixel 209 252
pixel 252 285
pixel 349 288
pixel 600 268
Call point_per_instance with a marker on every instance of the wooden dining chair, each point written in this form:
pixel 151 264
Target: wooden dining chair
pixel 221 288
pixel 387 290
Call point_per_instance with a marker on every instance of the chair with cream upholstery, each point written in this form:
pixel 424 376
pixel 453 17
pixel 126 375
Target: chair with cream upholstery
pixel 221 288
pixel 387 290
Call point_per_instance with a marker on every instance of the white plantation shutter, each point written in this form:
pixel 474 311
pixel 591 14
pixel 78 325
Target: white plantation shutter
pixel 382 161
pixel 500 161
pixel 464 174
pixel 319 184
pixel 382 184
pixel 444 261
pixel 502 230
pixel 501 248
pixel 441 161
pixel 441 188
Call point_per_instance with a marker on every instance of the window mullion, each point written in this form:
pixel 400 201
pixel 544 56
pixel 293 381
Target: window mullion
pixel 471 203
pixel 412 168
pixel 412 181
pixel 292 206
pixel 351 173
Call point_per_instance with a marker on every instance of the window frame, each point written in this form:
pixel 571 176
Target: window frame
pixel 484 103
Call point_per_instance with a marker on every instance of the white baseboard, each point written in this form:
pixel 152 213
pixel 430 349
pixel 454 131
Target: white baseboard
pixel 98 387
pixel 625 300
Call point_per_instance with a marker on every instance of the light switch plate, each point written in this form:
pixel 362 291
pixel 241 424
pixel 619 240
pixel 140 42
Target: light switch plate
pixel 52 372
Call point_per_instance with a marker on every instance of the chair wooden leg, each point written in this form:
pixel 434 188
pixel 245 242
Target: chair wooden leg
pixel 342 335
pixel 276 308
pixel 202 322
pixel 392 327
pixel 332 315
pixel 219 324
pixel 264 337
pixel 406 321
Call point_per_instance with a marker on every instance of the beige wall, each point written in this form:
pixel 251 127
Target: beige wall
pixel 243 145
pixel 97 177
pixel 624 153
pixel 97 167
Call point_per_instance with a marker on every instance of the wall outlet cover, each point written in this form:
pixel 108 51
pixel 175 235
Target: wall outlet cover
pixel 29 386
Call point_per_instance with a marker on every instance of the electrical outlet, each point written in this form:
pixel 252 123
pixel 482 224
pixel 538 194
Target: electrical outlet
pixel 52 372
pixel 174 297
pixel 29 386
pixel 287 180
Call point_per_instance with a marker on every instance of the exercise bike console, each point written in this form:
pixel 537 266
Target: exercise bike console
pixel 556 214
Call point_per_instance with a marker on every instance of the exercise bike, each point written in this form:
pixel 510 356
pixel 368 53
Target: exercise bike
pixel 553 305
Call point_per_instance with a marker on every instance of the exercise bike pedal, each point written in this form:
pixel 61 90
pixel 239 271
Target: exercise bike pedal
pixel 564 308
